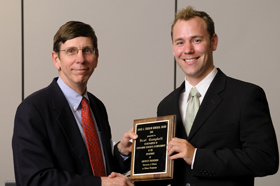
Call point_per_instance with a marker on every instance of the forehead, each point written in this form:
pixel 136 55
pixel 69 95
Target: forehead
pixel 78 42
pixel 191 27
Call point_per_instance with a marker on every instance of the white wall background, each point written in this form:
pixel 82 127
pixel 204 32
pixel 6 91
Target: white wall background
pixel 135 69
pixel 133 48
pixel 10 81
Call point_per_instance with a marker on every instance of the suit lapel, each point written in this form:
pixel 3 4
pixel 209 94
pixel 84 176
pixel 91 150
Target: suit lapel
pixel 177 106
pixel 180 128
pixel 209 103
pixel 68 125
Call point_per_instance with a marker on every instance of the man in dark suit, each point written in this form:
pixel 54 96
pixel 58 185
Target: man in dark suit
pixel 50 140
pixel 231 139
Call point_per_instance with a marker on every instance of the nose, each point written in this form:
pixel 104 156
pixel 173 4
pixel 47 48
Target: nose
pixel 80 56
pixel 188 48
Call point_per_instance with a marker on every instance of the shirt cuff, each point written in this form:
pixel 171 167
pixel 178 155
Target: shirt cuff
pixel 193 158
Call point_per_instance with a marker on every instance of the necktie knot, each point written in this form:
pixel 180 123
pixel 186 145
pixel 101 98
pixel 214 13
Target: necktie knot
pixel 84 102
pixel 194 92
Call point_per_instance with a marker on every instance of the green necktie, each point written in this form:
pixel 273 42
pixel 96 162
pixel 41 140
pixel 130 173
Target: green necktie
pixel 192 109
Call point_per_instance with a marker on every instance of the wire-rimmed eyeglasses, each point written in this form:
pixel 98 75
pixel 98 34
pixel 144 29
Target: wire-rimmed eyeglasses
pixel 72 51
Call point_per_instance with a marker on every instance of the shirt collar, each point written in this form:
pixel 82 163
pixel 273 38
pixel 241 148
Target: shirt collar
pixel 203 85
pixel 74 99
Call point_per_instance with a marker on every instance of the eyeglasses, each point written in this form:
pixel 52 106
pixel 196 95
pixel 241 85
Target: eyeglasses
pixel 72 51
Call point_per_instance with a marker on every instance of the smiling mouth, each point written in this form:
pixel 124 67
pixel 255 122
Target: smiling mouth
pixel 190 60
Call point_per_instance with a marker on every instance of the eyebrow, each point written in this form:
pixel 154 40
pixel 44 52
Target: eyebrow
pixel 192 37
pixel 178 39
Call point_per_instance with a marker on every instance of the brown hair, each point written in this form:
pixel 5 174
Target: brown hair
pixel 188 13
pixel 71 30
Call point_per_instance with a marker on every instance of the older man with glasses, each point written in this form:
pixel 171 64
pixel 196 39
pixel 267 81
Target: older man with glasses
pixel 62 134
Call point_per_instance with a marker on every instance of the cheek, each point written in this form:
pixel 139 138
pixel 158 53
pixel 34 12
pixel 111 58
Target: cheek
pixel 204 48
pixel 177 52
pixel 93 66
pixel 66 63
pixel 92 62
pixel 201 49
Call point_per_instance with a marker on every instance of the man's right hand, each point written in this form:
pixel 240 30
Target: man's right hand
pixel 116 179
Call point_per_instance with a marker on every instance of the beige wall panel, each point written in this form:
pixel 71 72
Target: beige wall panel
pixel 10 81
pixel 248 48
pixel 135 69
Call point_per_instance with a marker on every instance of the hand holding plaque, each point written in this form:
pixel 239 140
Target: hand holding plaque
pixel 149 158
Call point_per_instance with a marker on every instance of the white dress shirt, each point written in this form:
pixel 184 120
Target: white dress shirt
pixel 202 88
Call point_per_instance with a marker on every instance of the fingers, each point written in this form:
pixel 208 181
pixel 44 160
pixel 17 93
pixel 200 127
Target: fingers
pixel 130 134
pixel 181 148
pixel 176 149
pixel 116 179
pixel 126 139
pixel 112 175
pixel 125 145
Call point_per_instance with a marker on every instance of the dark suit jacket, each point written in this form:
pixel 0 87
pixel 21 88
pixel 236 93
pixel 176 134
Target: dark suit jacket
pixel 233 134
pixel 47 145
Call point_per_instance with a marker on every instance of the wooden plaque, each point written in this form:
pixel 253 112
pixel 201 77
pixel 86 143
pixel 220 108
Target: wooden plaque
pixel 149 158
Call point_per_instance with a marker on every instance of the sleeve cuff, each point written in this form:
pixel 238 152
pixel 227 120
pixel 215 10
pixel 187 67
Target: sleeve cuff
pixel 193 158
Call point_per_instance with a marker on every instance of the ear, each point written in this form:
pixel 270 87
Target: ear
pixel 214 42
pixel 56 60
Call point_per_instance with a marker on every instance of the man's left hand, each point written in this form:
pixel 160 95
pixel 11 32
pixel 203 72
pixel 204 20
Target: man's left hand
pixel 182 149
pixel 125 145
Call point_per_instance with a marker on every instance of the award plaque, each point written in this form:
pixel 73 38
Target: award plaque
pixel 149 158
